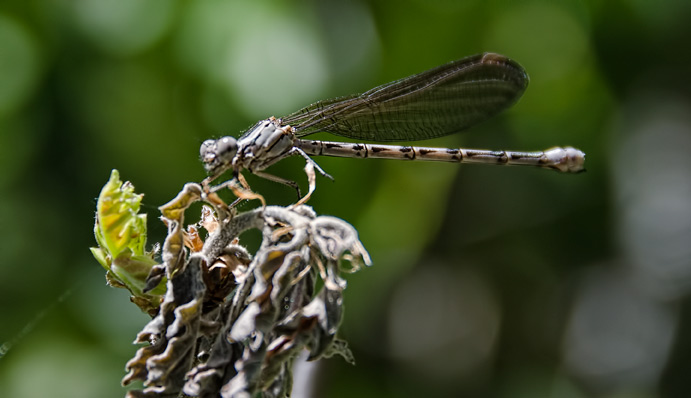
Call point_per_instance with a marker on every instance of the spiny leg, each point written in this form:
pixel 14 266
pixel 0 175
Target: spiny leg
pixel 312 162
pixel 240 189
pixel 310 165
pixel 279 180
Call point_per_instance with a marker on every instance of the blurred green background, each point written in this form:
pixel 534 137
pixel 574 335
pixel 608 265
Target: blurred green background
pixel 487 281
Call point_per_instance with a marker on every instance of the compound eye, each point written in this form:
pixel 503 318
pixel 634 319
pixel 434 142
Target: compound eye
pixel 206 151
pixel 226 148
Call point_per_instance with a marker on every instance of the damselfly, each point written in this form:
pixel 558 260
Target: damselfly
pixel 438 102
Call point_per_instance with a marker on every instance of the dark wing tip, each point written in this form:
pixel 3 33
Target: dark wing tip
pixel 521 76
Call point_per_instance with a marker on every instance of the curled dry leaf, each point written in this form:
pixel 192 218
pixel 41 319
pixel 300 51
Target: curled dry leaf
pixel 232 323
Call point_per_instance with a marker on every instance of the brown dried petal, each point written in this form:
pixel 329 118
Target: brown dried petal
pixel 246 343
pixel 163 365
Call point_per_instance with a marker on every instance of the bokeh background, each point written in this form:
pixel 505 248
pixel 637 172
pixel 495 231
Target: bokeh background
pixel 487 281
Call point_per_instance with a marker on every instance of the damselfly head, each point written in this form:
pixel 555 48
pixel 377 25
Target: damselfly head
pixel 218 155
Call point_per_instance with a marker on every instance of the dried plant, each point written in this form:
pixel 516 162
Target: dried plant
pixel 230 323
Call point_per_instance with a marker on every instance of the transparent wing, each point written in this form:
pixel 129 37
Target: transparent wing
pixel 434 103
